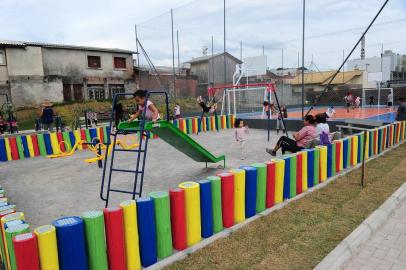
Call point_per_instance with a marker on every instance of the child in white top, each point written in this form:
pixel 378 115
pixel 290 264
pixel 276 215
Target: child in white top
pixel 151 113
pixel 177 111
pixel 241 135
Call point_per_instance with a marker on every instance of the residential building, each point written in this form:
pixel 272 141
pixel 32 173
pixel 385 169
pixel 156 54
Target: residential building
pixel 389 63
pixel 31 72
pixel 210 70
pixel 148 79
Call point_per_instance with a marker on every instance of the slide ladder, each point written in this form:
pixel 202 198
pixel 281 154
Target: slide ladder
pixel 140 153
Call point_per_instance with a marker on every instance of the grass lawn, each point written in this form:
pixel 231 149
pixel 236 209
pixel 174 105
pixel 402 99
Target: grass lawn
pixel 300 235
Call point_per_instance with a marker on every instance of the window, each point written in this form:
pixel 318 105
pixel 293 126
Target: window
pixel 96 92
pixel 116 89
pixel 2 58
pixel 120 62
pixel 93 61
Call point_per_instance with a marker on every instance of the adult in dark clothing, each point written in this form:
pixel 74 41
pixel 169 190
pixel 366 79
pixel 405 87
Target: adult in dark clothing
pixel 401 114
pixel 47 115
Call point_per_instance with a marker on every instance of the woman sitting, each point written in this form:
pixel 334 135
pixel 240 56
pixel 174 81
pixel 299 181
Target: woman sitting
pixel 322 129
pixel 301 138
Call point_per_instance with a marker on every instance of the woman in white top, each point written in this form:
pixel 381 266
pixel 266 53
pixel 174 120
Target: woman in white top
pixel 151 113
pixel 322 128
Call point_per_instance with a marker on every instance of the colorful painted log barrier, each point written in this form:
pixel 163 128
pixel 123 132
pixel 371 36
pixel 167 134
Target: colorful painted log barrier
pixel 215 183
pixel 193 223
pixel 71 243
pixel 43 144
pixel 163 223
pixel 147 231
pixel 239 195
pixel 138 233
pixel 96 244
pixel 227 198
pixel 178 218
pixel 206 208
pixel 26 251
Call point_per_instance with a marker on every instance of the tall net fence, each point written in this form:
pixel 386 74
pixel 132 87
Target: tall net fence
pixel 272 29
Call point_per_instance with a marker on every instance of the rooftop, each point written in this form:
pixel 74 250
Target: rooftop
pixel 324 77
pixel 208 57
pixel 22 44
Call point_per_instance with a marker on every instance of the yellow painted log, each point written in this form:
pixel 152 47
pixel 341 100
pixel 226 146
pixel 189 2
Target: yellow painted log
pixel 78 138
pixel 193 218
pixel 342 156
pixel 4 220
pixel 323 163
pixel 47 247
pixel 30 146
pixel 366 150
pixel 239 195
pixel 131 235
pixel 304 170
pixel 8 149
pixel 279 176
pixel 54 142
pixel 354 150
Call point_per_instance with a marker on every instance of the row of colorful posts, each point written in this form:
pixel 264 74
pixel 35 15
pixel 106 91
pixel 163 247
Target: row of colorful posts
pixel 137 234
pixel 53 143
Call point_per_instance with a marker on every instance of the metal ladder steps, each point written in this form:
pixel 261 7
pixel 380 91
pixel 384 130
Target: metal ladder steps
pixel 124 170
pixel 124 191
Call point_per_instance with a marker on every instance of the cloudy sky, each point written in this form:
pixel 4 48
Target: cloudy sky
pixel 332 26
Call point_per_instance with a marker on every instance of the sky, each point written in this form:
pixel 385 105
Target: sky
pixel 332 26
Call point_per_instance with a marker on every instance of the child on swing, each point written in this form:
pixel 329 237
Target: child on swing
pixel 211 108
pixel 151 113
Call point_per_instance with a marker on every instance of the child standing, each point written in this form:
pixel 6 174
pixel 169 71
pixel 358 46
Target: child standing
pixel 348 101
pixel 151 113
pixel 241 135
pixel 176 111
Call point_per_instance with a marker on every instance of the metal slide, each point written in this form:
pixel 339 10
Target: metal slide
pixel 176 138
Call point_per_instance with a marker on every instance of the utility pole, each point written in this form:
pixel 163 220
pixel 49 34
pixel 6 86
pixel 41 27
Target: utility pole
pixel 225 47
pixel 303 56
pixel 138 57
pixel 173 58
pixel 177 41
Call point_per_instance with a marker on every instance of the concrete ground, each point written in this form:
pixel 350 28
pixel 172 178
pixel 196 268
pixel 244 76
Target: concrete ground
pixel 45 189
pixel 386 249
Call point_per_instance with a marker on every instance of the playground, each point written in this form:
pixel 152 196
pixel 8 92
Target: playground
pixel 70 186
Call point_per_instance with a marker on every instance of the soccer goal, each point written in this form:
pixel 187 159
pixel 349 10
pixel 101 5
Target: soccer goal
pixel 377 96
pixel 244 98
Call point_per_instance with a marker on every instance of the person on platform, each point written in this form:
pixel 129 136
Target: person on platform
pixel 348 99
pixel 390 100
pixel 151 113
pixel 330 113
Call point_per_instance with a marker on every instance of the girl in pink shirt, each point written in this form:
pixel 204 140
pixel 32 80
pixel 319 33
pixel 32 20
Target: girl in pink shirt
pixel 151 112
pixel 301 138
pixel 241 135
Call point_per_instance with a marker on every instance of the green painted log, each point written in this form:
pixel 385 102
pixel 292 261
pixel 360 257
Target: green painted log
pixel 88 137
pixel 41 144
pixel 218 121
pixel 68 143
pixel 189 126
pixel 10 233
pixel 349 153
pixel 216 201
pixel 96 244
pixel 316 166
pixel 261 186
pixel 20 147
pixel 293 168
pixel 163 223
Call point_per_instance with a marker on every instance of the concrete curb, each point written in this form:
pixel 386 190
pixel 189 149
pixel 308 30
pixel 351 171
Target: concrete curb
pixel 350 245
pixel 342 251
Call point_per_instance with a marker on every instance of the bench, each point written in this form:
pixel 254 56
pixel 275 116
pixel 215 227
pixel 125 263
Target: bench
pixel 364 123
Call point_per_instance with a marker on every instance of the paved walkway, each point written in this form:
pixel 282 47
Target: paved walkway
pixel 386 249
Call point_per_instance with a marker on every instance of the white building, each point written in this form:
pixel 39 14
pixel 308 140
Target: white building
pixel 387 64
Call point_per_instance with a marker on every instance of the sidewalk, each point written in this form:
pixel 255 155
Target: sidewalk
pixel 386 249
